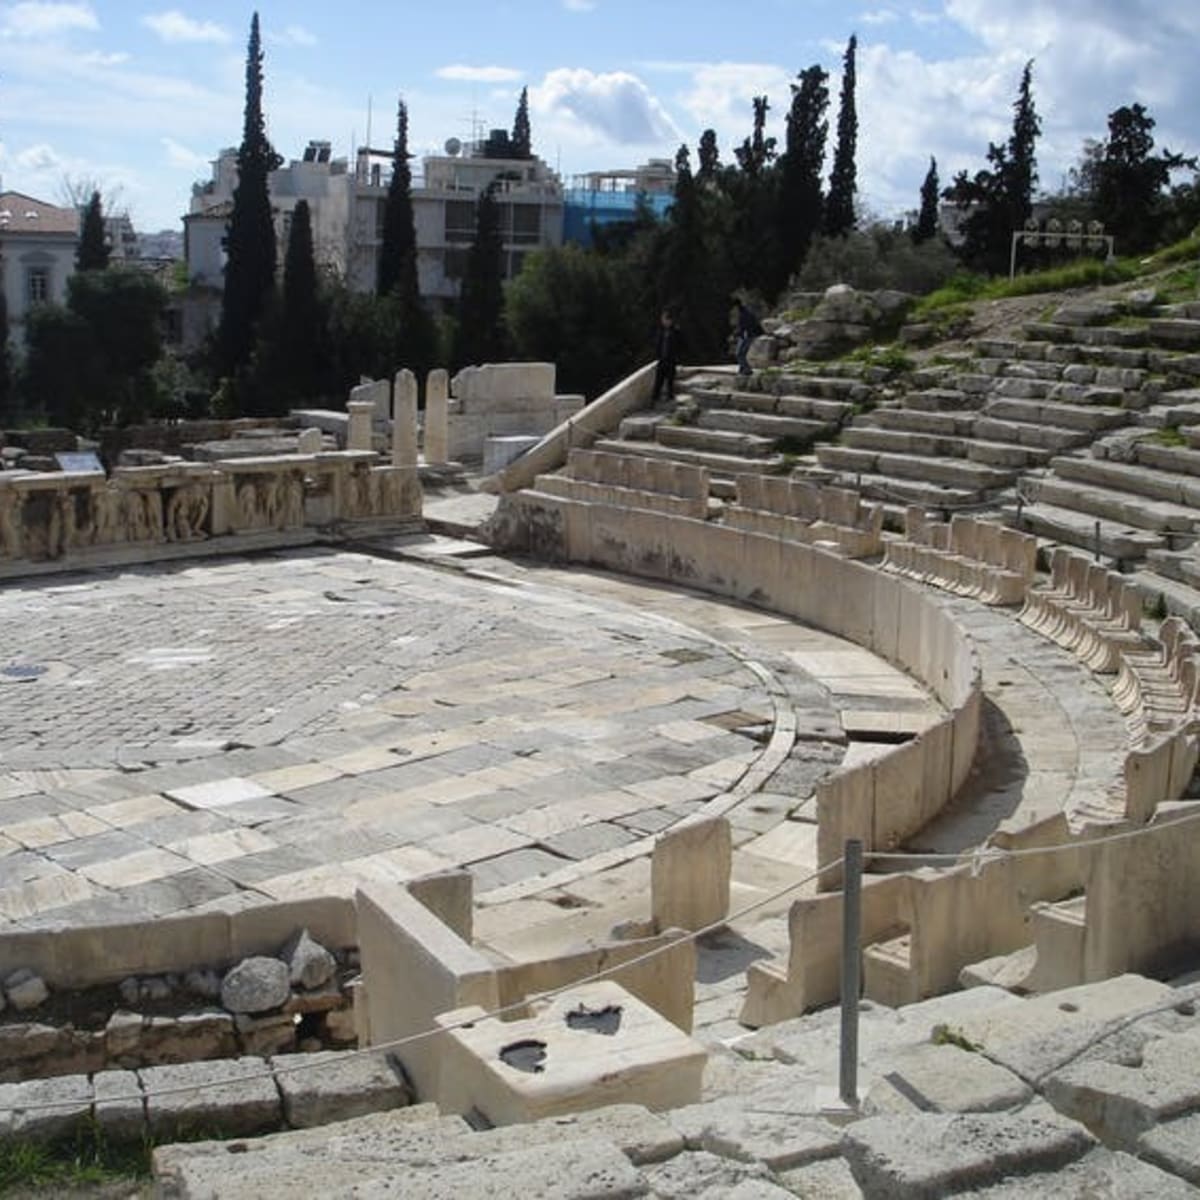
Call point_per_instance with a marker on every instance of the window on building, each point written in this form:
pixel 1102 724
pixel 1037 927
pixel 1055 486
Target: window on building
pixel 37 285
pixel 460 220
pixel 526 224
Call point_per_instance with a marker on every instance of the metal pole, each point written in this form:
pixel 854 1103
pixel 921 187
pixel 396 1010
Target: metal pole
pixel 1097 546
pixel 851 969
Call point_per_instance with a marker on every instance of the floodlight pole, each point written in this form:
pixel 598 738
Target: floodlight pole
pixel 851 969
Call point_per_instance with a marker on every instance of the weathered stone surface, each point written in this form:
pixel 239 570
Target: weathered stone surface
pixel 255 985
pixel 1119 1103
pixel 1174 1146
pixel 946 1078
pixel 334 1086
pixel 690 1174
pixel 24 990
pixel 274 1033
pixel 186 1038
pixel 735 1129
pixel 1102 1173
pixel 120 1109
pixel 906 1158
pixel 829 1179
pixel 309 963
pixel 123 1034
pixel 231 1097
pixel 205 984
pixel 44 1109
pixel 642 1136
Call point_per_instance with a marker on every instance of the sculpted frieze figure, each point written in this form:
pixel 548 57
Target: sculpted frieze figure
pixel 187 514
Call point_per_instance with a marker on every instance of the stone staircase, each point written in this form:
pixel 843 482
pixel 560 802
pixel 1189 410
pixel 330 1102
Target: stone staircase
pixel 719 422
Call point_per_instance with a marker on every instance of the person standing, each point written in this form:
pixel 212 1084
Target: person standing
pixel 748 328
pixel 666 350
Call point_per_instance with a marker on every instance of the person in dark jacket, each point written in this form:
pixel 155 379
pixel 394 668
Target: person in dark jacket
pixel 748 328
pixel 666 350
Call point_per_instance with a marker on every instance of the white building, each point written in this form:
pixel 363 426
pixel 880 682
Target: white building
pixel 38 243
pixel 347 213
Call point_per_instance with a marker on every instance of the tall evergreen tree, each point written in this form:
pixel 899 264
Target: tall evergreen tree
pixel 839 208
pixel 800 200
pixel 481 337
pixel 398 254
pixel 300 324
pixel 94 251
pixel 522 136
pixel 927 220
pixel 709 157
pixel 999 199
pixel 757 151
pixel 250 241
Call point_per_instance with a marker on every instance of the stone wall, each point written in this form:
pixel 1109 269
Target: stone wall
pixel 86 518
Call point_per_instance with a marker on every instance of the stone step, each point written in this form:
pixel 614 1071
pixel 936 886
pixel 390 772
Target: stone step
pixel 716 397
pixel 943 424
pixel 1020 388
pixel 815 408
pixel 713 441
pixel 1009 349
pixel 641 427
pixel 1180 596
pixel 1085 393
pixel 887 489
pixel 1069 527
pixel 1048 438
pixel 948 472
pixel 1179 459
pixel 898 441
pixel 1063 416
pixel 940 400
pixel 849 389
pixel 765 425
pixel 1120 507
pixel 806 407
pixel 1121 336
pixel 1006 455
pixel 1177 333
pixel 1138 480
pixel 723 464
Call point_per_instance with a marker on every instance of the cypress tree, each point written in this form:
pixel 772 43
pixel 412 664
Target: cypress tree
pixel 927 219
pixel 398 255
pixel 93 253
pixel 839 210
pixel 800 200
pixel 250 241
pixel 756 151
pixel 709 157
pixel 300 329
pixel 522 137
pixel 481 304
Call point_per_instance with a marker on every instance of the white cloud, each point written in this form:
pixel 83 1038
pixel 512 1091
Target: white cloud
pixel 183 158
pixel 174 26
pixel 720 96
pixel 462 73
pixel 879 16
pixel 615 107
pixel 294 35
pixel 579 5
pixel 41 157
pixel 33 19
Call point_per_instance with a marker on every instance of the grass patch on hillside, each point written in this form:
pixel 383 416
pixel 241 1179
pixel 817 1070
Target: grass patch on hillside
pixel 1087 272
pixel 1169 435
pixel 890 358
pixel 84 1161
pixel 1179 252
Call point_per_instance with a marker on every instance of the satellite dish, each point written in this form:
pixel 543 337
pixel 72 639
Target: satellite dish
pixel 453 147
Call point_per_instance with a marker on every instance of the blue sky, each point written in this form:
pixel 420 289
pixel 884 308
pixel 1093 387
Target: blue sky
pixel 140 96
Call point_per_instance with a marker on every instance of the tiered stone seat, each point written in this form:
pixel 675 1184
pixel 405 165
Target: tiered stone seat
pixel 806 512
pixel 980 559
pixel 597 477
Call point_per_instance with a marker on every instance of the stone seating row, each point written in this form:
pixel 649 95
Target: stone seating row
pixel 660 485
pixel 1087 609
pixel 975 558
pixel 798 510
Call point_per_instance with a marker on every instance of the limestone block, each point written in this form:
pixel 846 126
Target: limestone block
pixel 450 896
pixel 375 392
pixel 829 1179
pixel 590 1047
pixel 945 1078
pixel 191 1036
pixel 414 968
pixel 498 452
pixel 265 927
pixel 309 963
pixel 358 432
pixel 437 396
pixel 702 1174
pixel 733 1129
pixel 333 1086
pixel 238 1097
pixel 689 874
pixel 915 1156
pixel 42 1110
pixel 1174 1146
pixel 120 1110
pixel 642 1136
pixel 404 419
pixel 310 441
pixel 503 383
pixel 272 1033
